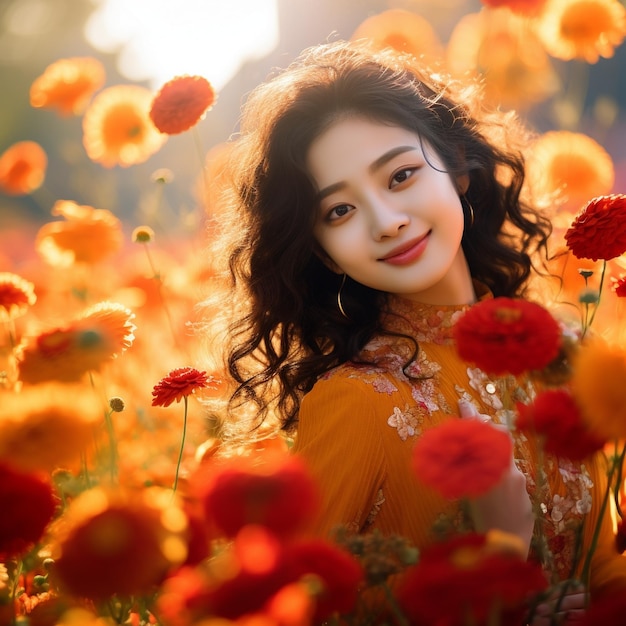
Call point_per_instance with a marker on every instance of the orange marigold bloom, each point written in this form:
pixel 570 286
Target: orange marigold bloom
pixel 522 7
pixel 68 84
pixel 66 353
pixel 462 458
pixel 599 372
pixel 582 29
pixel 401 30
pixel 117 129
pixel 47 426
pixel 87 236
pixel 179 383
pixel 181 103
pixel 16 295
pixel 599 230
pixel 573 165
pixel 22 168
pixel 505 52
pixel 118 543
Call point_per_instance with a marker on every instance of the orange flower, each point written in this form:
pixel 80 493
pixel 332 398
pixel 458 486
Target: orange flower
pixel 504 51
pixel 16 295
pixel 117 129
pixel 88 236
pixel 599 372
pixel 27 503
pixel 504 335
pixel 66 353
pixel 118 543
pixel 555 416
pixel 68 84
pixel 181 103
pixel 47 426
pixel 582 29
pixel 599 230
pixel 572 165
pixel 22 168
pixel 522 7
pixel 179 383
pixel 462 458
pixel 401 30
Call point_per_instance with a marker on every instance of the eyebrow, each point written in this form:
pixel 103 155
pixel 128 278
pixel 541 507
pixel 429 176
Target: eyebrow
pixel 376 165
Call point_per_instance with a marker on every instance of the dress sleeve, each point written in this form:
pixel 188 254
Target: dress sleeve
pixel 339 439
pixel 608 567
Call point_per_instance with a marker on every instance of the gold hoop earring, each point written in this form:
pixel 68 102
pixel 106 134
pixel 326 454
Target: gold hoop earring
pixel 339 303
pixel 468 209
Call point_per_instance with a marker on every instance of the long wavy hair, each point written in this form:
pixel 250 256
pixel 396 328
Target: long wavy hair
pixel 287 329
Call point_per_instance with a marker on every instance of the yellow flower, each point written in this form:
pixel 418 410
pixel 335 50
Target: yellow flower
pixel 66 353
pixel 16 295
pixel 571 165
pixel 582 29
pixel 502 48
pixel 87 236
pixel 67 84
pixel 117 129
pixel 599 372
pixel 47 426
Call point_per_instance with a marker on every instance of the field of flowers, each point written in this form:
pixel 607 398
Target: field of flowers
pixel 115 506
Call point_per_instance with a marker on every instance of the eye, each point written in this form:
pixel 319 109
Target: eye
pixel 401 176
pixel 339 211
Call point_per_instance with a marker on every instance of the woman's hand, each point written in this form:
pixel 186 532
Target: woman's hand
pixel 506 506
pixel 569 610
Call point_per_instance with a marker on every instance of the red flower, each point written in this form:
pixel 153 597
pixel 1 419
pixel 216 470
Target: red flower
pixel 503 336
pixel 27 503
pixel 16 295
pixel 619 286
pixel 556 418
pixel 607 609
pixel 599 230
pixel 179 383
pixel 620 537
pixel 181 103
pixel 278 493
pixel 462 457
pixel 466 579
pixel 522 7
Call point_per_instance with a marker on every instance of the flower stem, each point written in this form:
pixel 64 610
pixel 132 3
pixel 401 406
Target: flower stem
pixel 597 304
pixel 182 446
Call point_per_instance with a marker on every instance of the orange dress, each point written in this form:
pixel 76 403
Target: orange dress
pixel 358 425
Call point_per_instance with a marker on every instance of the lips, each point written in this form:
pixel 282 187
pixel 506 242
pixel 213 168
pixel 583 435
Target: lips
pixel 407 252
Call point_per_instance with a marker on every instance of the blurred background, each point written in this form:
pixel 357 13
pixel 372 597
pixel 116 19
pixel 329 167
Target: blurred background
pixel 235 44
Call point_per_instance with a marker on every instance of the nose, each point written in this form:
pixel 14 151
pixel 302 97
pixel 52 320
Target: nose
pixel 386 220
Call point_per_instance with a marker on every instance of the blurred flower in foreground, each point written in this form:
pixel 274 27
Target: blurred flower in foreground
pixel 179 383
pixel 582 29
pixel 118 542
pixel 572 165
pixel 599 230
pixel 618 285
pixel 523 7
pixel 16 295
pixel 66 353
pixel 27 503
pixel 471 579
pixel 47 426
pixel 67 85
pixel 22 168
pixel 504 335
pixel 401 30
pixel 462 458
pixel 505 52
pixel 608 609
pixel 275 490
pixel 87 236
pixel 181 103
pixel 554 417
pixel 117 129
pixel 599 372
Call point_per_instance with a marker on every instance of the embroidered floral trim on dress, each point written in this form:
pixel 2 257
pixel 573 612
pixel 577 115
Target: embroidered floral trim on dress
pixel 378 503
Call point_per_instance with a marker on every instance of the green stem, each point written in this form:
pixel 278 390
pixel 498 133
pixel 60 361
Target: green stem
pixel 182 446
pixel 112 444
pixel 618 483
pixel 595 309
pixel 399 615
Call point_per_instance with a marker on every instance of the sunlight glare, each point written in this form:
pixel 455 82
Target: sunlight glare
pixel 156 40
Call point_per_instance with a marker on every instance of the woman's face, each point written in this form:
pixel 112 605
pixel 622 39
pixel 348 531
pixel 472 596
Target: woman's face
pixel 386 217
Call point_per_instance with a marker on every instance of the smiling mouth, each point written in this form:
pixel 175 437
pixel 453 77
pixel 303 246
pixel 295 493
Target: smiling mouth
pixel 407 252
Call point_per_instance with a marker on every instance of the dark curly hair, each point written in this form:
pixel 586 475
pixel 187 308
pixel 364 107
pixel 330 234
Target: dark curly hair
pixel 291 331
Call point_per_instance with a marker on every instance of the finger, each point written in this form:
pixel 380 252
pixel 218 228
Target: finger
pixel 467 409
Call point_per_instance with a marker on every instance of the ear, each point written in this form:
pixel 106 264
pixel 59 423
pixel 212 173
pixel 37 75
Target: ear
pixel 463 183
